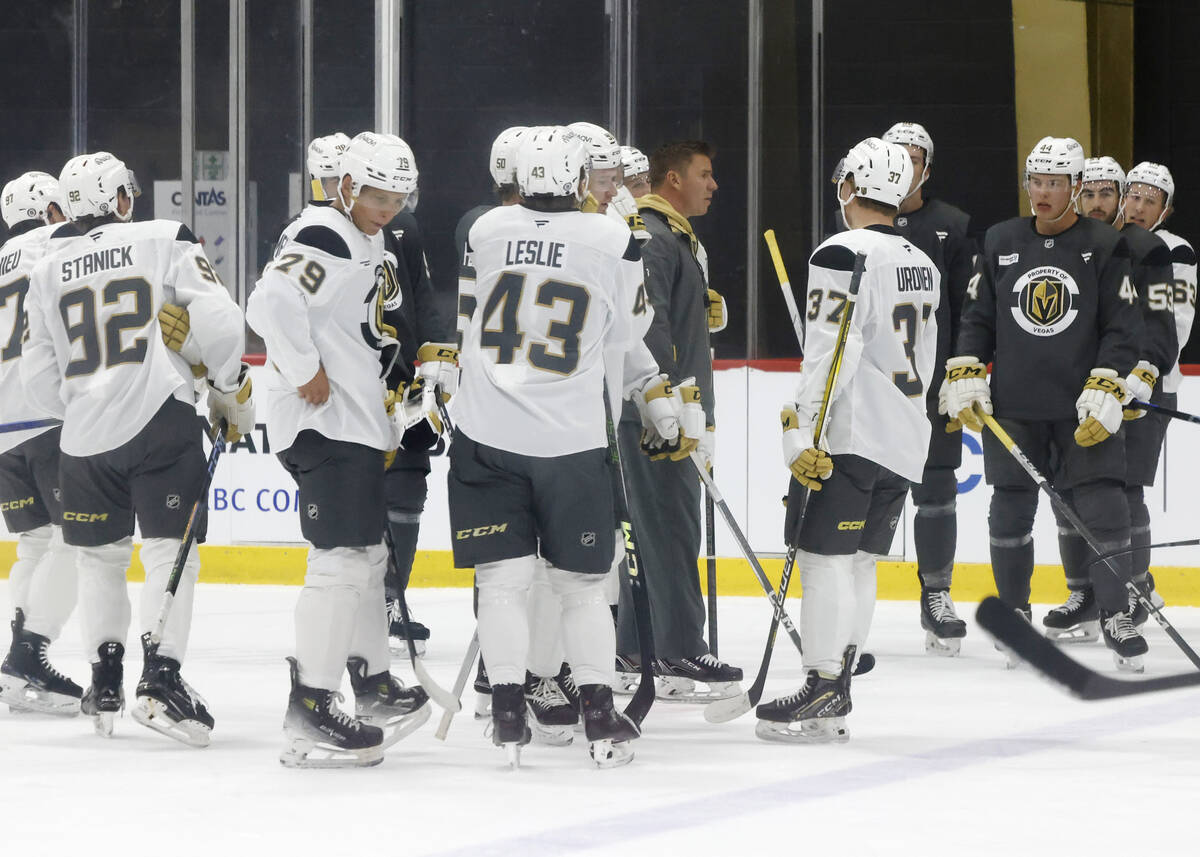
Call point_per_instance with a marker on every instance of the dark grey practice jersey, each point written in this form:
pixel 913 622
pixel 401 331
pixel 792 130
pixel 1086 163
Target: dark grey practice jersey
pixel 466 268
pixel 1046 310
pixel 1154 278
pixel 942 232
pixel 411 304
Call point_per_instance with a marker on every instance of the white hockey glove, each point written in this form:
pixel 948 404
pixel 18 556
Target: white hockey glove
pixel 1099 407
pixel 439 366
pixel 952 423
pixel 966 386
pixel 707 448
pixel 715 304
pixel 659 409
pixel 807 463
pixel 175 323
pixel 416 416
pixel 236 406
pixel 692 422
pixel 1139 384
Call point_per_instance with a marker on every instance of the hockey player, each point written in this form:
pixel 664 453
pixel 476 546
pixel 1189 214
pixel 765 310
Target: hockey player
pixel 323 156
pixel 875 437
pixel 664 489
pixel 636 167
pixel 318 308
pixel 1052 306
pixel 43 579
pixel 942 232
pixel 131 441
pixel 607 193
pixel 558 290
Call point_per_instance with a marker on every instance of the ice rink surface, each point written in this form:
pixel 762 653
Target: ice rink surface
pixel 946 756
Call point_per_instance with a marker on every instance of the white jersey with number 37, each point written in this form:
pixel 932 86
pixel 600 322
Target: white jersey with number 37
pixel 878 405
pixel 555 291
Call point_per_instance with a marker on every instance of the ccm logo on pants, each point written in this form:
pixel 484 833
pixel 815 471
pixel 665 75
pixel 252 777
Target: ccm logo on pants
pixel 851 525
pixel 85 517
pixel 485 530
pixel 14 505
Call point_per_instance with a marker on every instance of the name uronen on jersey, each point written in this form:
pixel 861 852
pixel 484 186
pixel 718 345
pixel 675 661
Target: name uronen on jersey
pixel 527 251
pixel 914 279
pixel 10 262
pixel 96 261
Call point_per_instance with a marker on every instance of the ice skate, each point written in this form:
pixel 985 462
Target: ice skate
pixel 1075 621
pixel 629 675
pixel 168 704
pixel 554 717
pixel 397 643
pixel 608 731
pixel 566 684
pixel 1011 661
pixel 28 682
pixel 321 735
pixel 382 700
pixel 1127 644
pixel 509 729
pixel 105 698
pixel 943 629
pixel 483 693
pixel 814 714
pixel 678 678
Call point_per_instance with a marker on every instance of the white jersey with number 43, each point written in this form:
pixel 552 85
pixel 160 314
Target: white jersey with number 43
pixel 95 353
pixel 555 291
pixel 878 405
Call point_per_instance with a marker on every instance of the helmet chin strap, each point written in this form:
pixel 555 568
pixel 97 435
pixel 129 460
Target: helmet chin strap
pixel 924 178
pixel 1069 207
pixel 842 203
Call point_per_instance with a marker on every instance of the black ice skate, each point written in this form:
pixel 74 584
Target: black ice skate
pixel 28 682
pixel 608 731
pixel 1139 614
pixel 509 729
pixel 629 675
pixel 554 717
pixel 105 698
pixel 1011 660
pixel 321 735
pixel 1075 621
pixel 396 638
pixel 382 700
pixel 168 704
pixel 483 692
pixel 678 677
pixel 1127 644
pixel 814 714
pixel 943 629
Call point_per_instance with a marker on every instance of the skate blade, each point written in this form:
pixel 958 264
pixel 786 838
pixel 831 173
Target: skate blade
pixel 483 706
pixel 552 736
pixel 607 754
pixel 153 714
pixel 398 646
pixel 825 730
pixel 306 753
pixel 103 723
pixel 512 751
pixel 724 710
pixel 400 727
pixel 946 647
pixel 677 689
pixel 1135 664
pixel 26 699
pixel 626 684
pixel 1084 632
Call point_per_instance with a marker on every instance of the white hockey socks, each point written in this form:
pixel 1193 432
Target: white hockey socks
pixel 612 580
pixel 32 545
pixel 864 597
pixel 826 609
pixel 325 612
pixel 545 624
pixel 158 557
pixel 370 639
pixel 53 591
pixel 103 594
pixel 587 627
pixel 503 617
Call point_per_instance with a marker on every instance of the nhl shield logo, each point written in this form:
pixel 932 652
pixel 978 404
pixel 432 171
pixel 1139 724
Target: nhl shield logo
pixel 587 539
pixel 902 221
pixel 172 501
pixel 313 511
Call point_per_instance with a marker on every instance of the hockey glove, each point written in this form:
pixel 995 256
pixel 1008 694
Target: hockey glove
pixel 1099 407
pixel 439 367
pixel 417 417
pixel 659 409
pixel 707 447
pixel 175 323
pixel 236 406
pixel 952 423
pixel 966 386
pixel 715 304
pixel 1139 384
pixel 807 463
pixel 692 422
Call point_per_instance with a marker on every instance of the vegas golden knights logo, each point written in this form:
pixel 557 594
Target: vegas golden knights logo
pixel 1045 301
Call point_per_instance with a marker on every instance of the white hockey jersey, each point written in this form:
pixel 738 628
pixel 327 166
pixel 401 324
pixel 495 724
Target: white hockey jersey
pixel 1183 261
pixel 316 305
pixel 878 405
pixel 559 296
pixel 17 258
pixel 95 353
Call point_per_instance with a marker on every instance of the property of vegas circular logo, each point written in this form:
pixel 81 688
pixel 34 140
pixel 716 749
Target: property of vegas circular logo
pixel 1046 299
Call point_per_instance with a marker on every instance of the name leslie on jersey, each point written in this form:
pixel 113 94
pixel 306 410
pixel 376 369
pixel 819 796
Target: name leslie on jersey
pixel 545 254
pixel 96 261
pixel 914 279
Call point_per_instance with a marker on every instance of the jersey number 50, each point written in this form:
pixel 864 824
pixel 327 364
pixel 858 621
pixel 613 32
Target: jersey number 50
pixel 508 338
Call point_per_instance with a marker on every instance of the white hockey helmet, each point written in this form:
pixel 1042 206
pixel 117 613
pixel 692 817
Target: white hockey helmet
pixel 1155 175
pixel 90 185
pixel 382 161
pixel 1055 156
pixel 911 134
pixel 27 197
pixel 1104 169
pixel 503 163
pixel 634 162
pixel 604 152
pixel 552 161
pixel 324 154
pixel 882 171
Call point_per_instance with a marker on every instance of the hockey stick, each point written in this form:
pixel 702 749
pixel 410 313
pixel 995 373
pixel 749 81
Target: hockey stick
pixel 443 698
pixel 1170 412
pixel 1081 528
pixel 1131 549
pixel 710 561
pixel 23 425
pixel 1003 623
pixel 460 684
pixel 154 637
pixel 785 284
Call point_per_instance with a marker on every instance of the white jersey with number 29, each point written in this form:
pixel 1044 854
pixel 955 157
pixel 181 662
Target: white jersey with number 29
pixel 556 293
